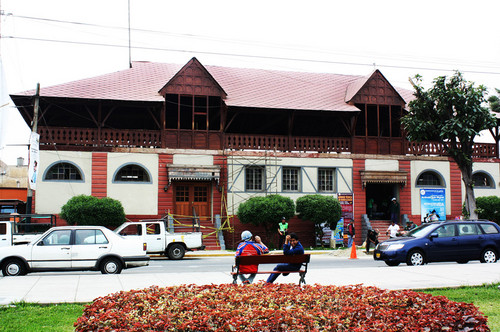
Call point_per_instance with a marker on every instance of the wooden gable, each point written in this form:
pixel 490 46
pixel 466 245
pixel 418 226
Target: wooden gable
pixel 193 79
pixel 377 90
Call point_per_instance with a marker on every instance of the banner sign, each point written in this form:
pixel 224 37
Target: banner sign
pixel 346 204
pixel 34 160
pixel 432 200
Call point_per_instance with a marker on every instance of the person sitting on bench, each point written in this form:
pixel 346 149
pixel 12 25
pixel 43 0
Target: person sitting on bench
pixel 250 248
pixel 292 246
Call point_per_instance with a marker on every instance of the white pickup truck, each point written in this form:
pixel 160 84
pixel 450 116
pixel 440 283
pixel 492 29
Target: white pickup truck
pixel 159 240
pixel 12 233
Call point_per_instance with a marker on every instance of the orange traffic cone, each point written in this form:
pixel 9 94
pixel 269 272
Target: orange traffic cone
pixel 353 252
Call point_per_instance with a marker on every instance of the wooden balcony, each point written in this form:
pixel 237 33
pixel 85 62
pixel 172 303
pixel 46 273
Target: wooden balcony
pixel 480 150
pixel 285 143
pixel 89 138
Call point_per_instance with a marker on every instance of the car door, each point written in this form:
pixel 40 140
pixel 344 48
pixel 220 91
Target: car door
pixel 5 239
pixel 444 247
pixel 89 245
pixel 469 241
pixel 53 251
pixel 154 238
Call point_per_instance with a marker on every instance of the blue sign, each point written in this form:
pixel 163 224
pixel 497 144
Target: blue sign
pixel 432 204
pixel 339 231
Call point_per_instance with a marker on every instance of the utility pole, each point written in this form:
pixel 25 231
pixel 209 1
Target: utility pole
pixel 129 39
pixel 34 130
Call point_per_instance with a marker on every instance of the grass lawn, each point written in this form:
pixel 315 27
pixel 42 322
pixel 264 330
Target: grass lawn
pixel 34 317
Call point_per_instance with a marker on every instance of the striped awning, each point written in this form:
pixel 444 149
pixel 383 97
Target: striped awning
pixel 193 173
pixel 383 177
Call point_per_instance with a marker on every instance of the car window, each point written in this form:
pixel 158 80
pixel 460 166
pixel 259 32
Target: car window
pixel 152 229
pixel 489 229
pixel 446 231
pixel 134 229
pixel 59 237
pixel 420 231
pixel 467 229
pixel 90 236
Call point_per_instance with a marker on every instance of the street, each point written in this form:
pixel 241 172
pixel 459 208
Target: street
pixel 197 264
pixel 324 269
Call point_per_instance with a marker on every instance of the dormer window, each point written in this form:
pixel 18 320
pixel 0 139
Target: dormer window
pixel 193 112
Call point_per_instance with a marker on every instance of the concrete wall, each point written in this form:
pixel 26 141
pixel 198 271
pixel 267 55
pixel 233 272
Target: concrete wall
pixel 136 197
pixel 491 169
pixel 51 195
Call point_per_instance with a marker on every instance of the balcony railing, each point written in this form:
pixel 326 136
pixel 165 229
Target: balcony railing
pixel 90 137
pixel 480 150
pixel 285 143
pixel 106 138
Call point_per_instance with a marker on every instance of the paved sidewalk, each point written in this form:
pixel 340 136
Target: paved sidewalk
pixel 86 287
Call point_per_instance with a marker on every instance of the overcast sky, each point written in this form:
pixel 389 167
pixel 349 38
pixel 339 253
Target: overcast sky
pixel 56 41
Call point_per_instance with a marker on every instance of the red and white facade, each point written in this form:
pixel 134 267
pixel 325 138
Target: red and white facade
pixel 199 140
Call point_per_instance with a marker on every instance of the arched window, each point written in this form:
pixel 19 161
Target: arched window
pixel 430 179
pixel 482 180
pixel 62 171
pixel 132 173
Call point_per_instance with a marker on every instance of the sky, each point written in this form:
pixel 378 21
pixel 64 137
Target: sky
pixel 56 41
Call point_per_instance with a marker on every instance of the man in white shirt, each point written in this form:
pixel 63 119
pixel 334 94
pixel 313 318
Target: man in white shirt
pixel 393 230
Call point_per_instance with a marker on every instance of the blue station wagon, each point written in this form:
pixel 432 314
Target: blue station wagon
pixel 449 241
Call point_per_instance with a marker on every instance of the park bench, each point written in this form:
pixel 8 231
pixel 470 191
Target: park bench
pixel 272 259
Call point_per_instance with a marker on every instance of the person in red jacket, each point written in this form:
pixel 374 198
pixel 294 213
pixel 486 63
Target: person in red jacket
pixel 250 248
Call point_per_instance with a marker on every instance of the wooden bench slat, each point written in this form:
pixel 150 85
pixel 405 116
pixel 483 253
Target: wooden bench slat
pixel 273 259
pixel 268 272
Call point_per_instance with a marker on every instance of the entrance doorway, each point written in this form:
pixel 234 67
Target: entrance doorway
pixel 192 198
pixel 381 195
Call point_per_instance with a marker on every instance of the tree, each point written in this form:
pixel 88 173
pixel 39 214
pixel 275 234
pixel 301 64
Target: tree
pixel 495 102
pixel 488 207
pixel 451 113
pixel 266 211
pixel 90 210
pixel 321 210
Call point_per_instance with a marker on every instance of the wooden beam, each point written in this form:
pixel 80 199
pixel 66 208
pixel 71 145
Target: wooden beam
pixel 154 118
pixel 111 110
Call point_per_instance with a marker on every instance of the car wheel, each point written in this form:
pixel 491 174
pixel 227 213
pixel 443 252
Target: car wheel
pixel 392 263
pixel 489 256
pixel 14 267
pixel 176 251
pixel 462 261
pixel 111 266
pixel 415 257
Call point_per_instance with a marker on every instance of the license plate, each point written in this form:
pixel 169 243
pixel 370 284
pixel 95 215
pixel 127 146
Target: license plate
pixel 378 255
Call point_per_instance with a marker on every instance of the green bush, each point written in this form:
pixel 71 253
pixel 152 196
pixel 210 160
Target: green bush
pixel 266 211
pixel 321 210
pixel 488 208
pixel 90 210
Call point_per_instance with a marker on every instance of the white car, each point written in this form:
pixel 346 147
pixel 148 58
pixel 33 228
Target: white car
pixel 74 248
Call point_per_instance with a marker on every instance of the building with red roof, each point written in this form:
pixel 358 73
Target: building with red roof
pixel 194 141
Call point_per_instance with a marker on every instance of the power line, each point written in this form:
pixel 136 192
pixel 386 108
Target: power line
pixel 251 56
pixel 404 58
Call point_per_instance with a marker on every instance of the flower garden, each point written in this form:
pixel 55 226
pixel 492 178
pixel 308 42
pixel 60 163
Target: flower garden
pixel 277 307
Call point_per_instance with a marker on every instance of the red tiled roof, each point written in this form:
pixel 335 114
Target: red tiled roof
pixel 245 87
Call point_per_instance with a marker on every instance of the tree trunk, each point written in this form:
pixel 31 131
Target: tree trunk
pixel 470 199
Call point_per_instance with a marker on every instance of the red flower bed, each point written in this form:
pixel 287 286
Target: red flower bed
pixel 277 307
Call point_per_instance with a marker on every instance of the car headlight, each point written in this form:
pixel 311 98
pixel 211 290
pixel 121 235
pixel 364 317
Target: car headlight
pixel 396 246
